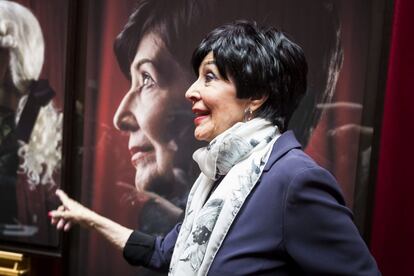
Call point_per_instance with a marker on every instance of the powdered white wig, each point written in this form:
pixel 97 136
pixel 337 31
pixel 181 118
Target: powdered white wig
pixel 20 33
pixel 41 157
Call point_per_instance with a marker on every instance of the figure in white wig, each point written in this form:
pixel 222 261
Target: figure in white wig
pixel 30 127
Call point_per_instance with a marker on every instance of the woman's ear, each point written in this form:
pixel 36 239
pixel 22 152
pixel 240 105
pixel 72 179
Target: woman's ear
pixel 255 104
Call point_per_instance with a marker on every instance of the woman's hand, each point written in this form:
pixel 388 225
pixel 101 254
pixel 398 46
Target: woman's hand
pixel 71 212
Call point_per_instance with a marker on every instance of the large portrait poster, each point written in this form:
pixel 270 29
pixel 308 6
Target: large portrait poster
pixel 138 131
pixel 33 58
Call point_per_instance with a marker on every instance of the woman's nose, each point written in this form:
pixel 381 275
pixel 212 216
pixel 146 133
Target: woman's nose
pixel 124 118
pixel 192 94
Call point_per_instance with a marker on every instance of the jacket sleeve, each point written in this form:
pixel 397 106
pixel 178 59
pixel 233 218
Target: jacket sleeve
pixel 319 233
pixel 152 252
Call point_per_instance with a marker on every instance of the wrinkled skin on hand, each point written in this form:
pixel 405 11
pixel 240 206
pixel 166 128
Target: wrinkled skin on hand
pixel 70 212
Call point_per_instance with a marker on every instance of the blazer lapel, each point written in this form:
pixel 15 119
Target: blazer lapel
pixel 283 144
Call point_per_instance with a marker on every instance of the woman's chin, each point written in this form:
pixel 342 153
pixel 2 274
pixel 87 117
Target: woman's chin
pixel 201 135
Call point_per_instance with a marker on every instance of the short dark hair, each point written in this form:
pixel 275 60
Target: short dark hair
pixel 181 24
pixel 261 62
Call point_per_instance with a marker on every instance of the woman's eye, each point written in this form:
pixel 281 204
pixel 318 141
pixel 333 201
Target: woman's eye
pixel 147 80
pixel 209 76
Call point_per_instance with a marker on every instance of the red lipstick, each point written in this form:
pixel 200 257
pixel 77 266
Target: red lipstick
pixel 200 115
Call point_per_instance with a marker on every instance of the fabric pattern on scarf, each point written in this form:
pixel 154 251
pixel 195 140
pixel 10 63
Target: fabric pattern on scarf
pixel 240 153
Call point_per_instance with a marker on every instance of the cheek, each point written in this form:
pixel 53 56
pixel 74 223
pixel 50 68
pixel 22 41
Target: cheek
pixel 165 154
pixel 225 117
pixel 227 113
pixel 154 115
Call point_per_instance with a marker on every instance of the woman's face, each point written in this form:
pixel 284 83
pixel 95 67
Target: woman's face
pixel 148 112
pixel 214 101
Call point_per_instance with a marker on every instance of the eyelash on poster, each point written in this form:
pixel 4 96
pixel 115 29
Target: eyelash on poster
pixel 146 77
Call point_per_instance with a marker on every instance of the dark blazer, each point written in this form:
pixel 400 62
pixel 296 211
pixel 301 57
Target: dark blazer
pixel 294 222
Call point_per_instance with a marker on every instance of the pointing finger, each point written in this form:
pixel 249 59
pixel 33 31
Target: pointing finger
pixel 63 197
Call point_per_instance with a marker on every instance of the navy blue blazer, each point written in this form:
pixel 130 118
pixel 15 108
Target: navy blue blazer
pixel 294 222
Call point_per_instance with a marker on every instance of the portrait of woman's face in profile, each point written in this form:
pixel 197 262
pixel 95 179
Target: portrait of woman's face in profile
pixel 147 113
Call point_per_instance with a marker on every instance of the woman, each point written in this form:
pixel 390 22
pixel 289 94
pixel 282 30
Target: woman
pixel 261 205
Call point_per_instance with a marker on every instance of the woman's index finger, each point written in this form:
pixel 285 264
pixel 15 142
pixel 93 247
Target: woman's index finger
pixel 63 197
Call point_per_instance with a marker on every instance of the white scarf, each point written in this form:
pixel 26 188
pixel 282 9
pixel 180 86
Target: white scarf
pixel 240 153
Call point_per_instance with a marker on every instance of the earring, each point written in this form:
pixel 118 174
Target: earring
pixel 248 114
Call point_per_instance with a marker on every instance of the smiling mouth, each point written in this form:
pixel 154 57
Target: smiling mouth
pixel 200 116
pixel 140 154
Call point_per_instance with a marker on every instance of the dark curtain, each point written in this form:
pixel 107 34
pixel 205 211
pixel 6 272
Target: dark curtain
pixel 393 224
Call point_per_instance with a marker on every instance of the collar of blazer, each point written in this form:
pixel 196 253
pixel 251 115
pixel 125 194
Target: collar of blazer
pixel 283 145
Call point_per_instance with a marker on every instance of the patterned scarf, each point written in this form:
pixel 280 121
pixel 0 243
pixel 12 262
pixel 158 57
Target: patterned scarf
pixel 240 153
